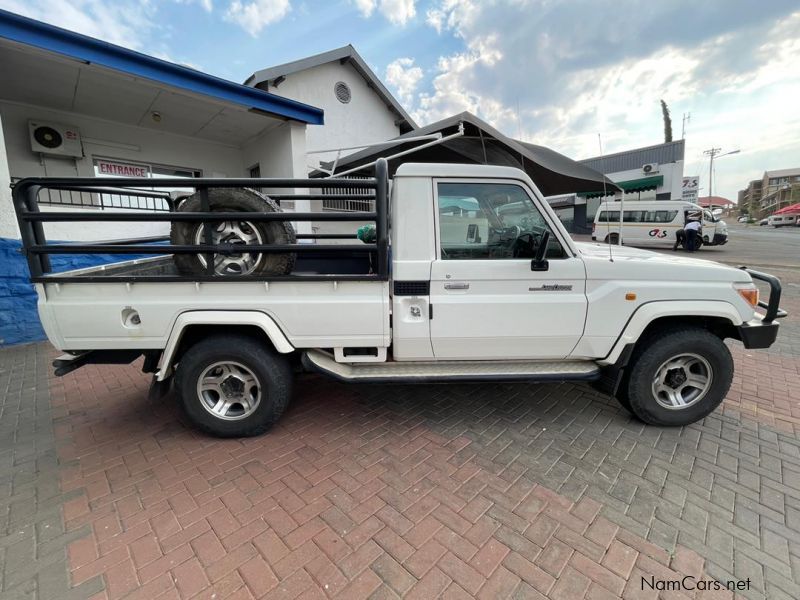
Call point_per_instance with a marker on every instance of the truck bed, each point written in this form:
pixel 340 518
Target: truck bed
pixel 312 314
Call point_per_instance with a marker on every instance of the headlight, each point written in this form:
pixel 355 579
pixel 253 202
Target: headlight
pixel 749 292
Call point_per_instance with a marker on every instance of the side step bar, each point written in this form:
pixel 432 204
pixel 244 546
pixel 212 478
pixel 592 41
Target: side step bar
pixel 448 371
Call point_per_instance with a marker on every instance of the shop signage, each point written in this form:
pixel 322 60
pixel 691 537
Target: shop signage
pixel 691 186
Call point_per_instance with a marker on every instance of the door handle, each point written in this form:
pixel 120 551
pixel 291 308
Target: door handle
pixel 456 286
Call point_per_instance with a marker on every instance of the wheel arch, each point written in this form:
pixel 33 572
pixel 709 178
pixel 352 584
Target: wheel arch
pixel 717 316
pixel 192 326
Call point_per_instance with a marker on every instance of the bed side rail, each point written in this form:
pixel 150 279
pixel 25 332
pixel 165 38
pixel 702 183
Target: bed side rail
pixel 26 197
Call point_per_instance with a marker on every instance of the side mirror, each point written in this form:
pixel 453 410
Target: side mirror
pixel 539 263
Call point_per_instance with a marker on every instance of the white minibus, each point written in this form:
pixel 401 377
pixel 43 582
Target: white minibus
pixel 653 222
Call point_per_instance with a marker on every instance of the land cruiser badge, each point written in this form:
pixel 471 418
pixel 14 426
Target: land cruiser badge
pixel 551 287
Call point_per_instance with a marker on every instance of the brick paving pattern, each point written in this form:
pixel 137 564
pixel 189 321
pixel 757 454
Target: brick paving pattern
pixel 33 539
pixel 482 491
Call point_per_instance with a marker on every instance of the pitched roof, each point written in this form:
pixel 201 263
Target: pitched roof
pixel 628 160
pixel 715 201
pixel 345 55
pixel 22 30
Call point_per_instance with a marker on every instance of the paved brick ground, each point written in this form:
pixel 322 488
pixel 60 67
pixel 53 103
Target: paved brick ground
pixel 33 538
pixel 416 491
pixel 395 491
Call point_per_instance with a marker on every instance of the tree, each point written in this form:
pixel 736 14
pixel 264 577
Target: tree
pixel 667 122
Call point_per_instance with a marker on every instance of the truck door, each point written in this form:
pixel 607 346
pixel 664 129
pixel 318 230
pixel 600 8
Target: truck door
pixel 487 303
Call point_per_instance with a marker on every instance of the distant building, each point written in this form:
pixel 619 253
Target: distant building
pixel 729 207
pixel 749 197
pixel 773 191
pixel 649 173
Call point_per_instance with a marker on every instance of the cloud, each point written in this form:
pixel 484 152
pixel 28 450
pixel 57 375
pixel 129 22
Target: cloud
pixel 125 22
pixel 207 5
pixel 403 76
pixel 366 7
pixel 253 16
pixel 561 72
pixel 398 12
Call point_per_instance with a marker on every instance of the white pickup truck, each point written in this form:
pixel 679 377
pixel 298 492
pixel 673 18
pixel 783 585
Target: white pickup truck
pixel 471 277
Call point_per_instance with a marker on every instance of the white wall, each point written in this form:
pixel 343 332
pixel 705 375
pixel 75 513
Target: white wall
pixel 8 221
pixel 365 119
pixel 132 143
pixel 673 180
pixel 281 153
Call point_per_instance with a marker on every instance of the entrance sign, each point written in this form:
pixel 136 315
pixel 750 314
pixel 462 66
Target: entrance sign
pixel 118 169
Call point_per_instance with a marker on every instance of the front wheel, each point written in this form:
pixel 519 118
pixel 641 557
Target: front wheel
pixel 233 386
pixel 679 377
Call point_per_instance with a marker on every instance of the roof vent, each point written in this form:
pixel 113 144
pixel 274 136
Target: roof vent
pixel 342 91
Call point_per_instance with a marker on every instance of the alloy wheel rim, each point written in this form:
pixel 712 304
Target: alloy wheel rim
pixel 229 391
pixel 682 381
pixel 242 233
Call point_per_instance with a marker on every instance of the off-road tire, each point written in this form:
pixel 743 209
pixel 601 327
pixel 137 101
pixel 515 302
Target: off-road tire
pixel 235 200
pixel 653 351
pixel 272 371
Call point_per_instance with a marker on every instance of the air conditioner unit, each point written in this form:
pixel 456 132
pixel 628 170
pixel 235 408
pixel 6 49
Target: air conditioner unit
pixel 650 168
pixel 55 139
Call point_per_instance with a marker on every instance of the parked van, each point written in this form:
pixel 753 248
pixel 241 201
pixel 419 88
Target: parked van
pixel 654 221
pixel 782 220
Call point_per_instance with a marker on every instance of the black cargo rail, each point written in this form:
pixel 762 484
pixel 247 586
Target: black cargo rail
pixel 37 250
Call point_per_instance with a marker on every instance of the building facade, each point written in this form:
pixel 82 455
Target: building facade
pixel 775 190
pixel 649 173
pixel 71 106
pixel 359 110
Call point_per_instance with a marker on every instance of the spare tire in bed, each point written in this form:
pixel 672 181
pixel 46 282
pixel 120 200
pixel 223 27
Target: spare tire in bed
pixel 234 232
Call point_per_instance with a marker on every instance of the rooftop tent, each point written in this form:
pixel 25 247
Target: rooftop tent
pixel 480 143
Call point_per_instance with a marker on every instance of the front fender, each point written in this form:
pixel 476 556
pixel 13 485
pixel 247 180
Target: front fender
pixel 219 317
pixel 649 312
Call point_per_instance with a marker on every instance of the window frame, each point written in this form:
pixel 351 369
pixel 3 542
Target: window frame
pixel 538 202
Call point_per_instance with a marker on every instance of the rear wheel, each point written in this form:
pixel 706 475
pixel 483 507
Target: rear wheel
pixel 678 377
pixel 232 386
pixel 612 238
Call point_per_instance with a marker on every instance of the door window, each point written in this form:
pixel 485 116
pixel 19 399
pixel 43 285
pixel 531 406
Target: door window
pixel 490 221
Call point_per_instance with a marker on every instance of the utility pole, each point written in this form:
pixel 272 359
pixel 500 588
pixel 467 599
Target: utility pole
pixel 687 116
pixel 712 153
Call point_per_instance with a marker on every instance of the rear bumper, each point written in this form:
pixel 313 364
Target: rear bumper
pixel 757 334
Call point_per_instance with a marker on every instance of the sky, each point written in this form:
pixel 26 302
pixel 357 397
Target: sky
pixel 551 72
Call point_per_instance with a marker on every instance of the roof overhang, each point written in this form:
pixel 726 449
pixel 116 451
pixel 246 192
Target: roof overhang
pixel 90 51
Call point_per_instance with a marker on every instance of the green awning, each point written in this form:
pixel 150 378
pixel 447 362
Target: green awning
pixel 640 185
pixel 633 185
